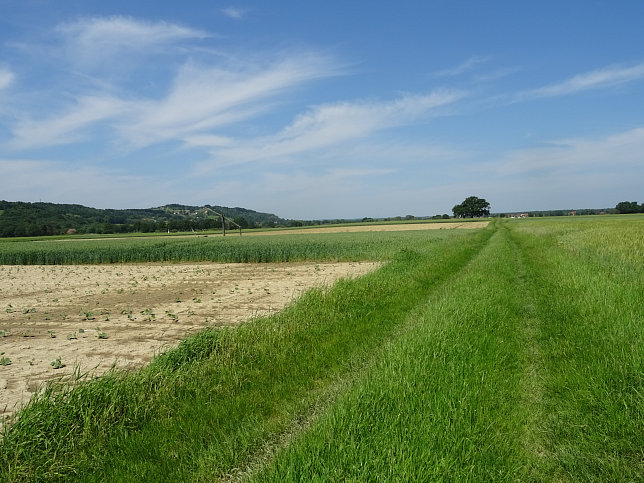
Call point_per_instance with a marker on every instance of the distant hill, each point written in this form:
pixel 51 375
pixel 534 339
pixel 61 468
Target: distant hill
pixel 36 219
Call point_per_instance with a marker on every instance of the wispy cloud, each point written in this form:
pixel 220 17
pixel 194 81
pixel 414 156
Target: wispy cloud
pixel 91 40
pixel 203 98
pixel 67 127
pixel 463 67
pixel 596 79
pixel 333 124
pixel 567 157
pixel 234 12
pixel 200 99
pixel 6 78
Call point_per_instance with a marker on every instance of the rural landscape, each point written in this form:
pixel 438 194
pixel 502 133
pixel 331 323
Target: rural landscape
pixel 509 349
pixel 321 241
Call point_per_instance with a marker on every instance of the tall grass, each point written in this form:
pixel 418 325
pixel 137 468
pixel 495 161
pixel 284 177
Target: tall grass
pixel 589 284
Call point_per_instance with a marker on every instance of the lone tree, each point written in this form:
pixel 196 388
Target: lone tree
pixel 472 207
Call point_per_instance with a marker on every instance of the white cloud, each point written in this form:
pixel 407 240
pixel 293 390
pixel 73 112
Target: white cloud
pixel 568 157
pixel 68 127
pixel 92 40
pixel 233 12
pixel 463 67
pixel 333 124
pixel 200 99
pixel 600 78
pixel 203 98
pixel 6 78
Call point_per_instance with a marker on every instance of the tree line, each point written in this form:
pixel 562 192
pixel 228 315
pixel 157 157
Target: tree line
pixel 629 207
pixel 19 219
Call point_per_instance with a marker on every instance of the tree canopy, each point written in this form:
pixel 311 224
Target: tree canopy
pixel 629 207
pixel 472 207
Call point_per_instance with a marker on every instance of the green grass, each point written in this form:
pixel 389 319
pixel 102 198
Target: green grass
pixel 206 407
pixel 444 400
pixel 527 365
pixel 513 353
pixel 282 248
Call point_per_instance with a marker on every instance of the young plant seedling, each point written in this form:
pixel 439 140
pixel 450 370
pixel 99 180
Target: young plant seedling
pixel 88 315
pixel 57 364
pixel 4 361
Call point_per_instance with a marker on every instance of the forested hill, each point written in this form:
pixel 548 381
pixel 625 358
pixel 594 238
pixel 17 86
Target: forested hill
pixel 34 219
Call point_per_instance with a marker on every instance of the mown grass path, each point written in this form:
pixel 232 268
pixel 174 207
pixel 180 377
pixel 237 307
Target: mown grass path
pixel 524 366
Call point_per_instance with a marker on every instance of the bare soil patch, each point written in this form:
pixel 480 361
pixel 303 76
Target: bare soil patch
pixel 92 316
pixel 362 228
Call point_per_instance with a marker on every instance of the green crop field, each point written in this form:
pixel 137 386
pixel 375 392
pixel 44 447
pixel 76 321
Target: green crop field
pixel 513 352
pixel 281 248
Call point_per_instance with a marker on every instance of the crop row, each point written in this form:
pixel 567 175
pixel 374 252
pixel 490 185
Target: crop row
pixel 284 248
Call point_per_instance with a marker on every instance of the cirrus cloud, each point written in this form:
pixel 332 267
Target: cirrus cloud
pixel 596 79
pixel 333 124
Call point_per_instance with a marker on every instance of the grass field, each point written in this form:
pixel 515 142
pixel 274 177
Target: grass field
pixel 507 353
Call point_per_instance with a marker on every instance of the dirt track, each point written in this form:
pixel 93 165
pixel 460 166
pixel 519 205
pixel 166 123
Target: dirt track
pixel 51 312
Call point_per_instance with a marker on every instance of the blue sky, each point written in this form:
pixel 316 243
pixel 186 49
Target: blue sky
pixel 323 109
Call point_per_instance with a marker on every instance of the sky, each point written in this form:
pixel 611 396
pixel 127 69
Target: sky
pixel 323 109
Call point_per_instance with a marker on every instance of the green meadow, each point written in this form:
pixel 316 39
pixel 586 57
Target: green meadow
pixel 509 353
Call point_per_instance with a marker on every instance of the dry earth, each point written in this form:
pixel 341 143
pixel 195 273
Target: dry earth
pixel 51 312
pixel 361 228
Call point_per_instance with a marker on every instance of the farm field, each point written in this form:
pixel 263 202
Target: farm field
pixel 509 352
pixel 378 227
pixel 324 244
pixel 91 317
